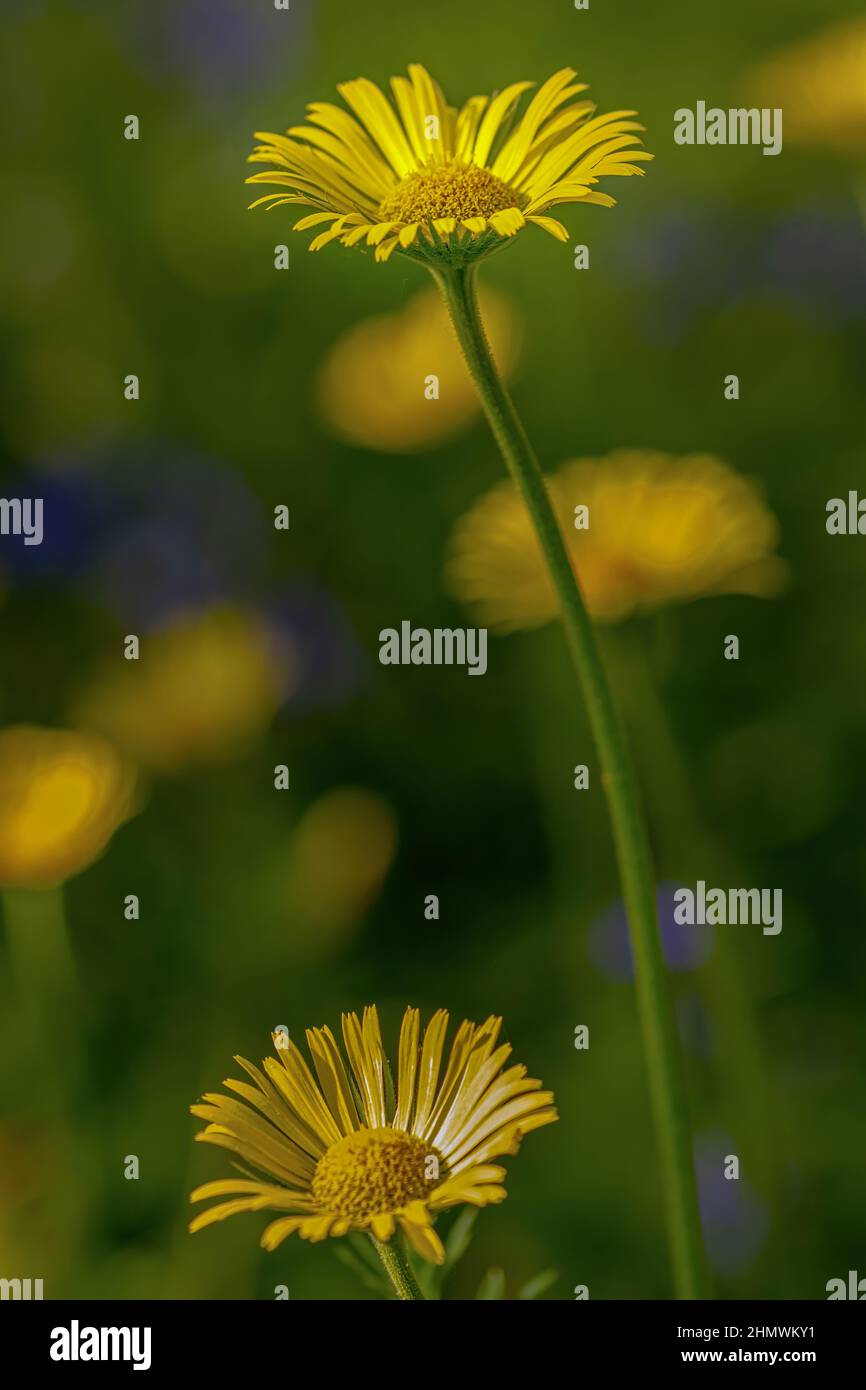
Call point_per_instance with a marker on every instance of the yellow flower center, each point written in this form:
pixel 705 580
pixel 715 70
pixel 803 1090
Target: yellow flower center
pixel 447 190
pixel 374 1170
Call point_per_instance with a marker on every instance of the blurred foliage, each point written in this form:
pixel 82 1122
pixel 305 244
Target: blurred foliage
pixel 121 257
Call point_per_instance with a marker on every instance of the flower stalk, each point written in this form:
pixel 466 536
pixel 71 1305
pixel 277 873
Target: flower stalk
pixel 44 978
pixel 666 1081
pixel 39 947
pixel 398 1270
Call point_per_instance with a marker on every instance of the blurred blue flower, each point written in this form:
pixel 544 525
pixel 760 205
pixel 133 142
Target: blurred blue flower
pixel 146 532
pixel 329 665
pixel 154 532
pixel 695 260
pixel 154 570
pixel 218 46
pixel 690 262
pixel 685 948
pixel 76 513
pixel 817 259
pixel 191 533
pixel 735 1221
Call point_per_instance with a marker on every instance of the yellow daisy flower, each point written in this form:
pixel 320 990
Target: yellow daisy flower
pixel 371 385
pixel 62 796
pixel 438 183
pixel 660 529
pixel 340 1154
pixel 820 83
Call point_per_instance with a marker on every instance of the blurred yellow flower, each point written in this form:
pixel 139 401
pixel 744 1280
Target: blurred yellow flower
pixel 820 83
pixel 660 528
pixel 374 388
pixel 62 796
pixel 341 851
pixel 201 690
pixel 336 1153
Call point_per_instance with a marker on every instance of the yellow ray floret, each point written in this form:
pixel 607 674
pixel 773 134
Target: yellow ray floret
pixel 420 177
pixel 339 1153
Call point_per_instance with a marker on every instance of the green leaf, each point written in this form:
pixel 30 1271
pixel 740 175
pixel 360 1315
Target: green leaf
pixel 432 1277
pixel 364 1249
pixel 492 1285
pixel 535 1287
pixel 368 1277
pixel 457 1242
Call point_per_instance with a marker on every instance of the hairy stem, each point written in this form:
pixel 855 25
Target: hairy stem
pixel 397 1268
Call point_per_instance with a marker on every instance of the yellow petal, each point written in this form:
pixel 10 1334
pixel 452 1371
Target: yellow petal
pixel 467 126
pixel 408 233
pixel 550 224
pixel 508 221
pixel 382 1225
pixel 357 234
pixel 415 1221
pixel 428 1073
pixel 377 115
pixel 407 1068
pixel 313 220
pixel 550 95
pixel 493 118
pixel 385 248
pixel 379 231
pixel 274 1234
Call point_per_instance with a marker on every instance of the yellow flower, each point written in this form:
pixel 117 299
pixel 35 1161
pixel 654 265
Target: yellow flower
pixel 340 1155
pixel 440 183
pixel 371 387
pixel 62 796
pixel 820 83
pixel 660 529
pixel 201 690
pixel 340 854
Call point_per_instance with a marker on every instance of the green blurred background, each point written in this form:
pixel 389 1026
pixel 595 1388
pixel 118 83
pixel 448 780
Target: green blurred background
pixel 119 256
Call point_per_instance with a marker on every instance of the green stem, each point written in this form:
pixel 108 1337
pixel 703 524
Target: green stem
pixel 741 1063
pixel 397 1268
pixel 44 979
pixel 38 943
pixel 666 1082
